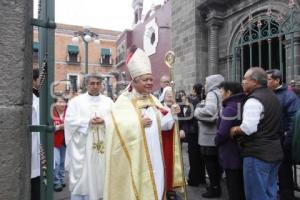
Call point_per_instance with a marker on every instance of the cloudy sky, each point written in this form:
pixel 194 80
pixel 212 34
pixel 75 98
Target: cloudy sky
pixel 106 14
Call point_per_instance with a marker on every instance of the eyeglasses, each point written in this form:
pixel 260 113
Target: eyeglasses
pixel 95 83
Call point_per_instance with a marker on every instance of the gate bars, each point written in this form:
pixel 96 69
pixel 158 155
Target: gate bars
pixel 265 27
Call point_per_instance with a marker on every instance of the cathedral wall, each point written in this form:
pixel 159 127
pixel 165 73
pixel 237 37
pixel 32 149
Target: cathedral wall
pixel 15 99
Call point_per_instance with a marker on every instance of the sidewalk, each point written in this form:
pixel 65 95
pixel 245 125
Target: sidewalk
pixel 194 193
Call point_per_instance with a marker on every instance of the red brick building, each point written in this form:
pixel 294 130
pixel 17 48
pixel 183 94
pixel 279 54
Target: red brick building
pixel 151 33
pixel 70 57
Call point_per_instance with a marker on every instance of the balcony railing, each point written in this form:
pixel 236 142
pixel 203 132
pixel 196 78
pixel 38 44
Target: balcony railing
pixel 106 62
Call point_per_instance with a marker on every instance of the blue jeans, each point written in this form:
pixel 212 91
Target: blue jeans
pixel 59 165
pixel 260 179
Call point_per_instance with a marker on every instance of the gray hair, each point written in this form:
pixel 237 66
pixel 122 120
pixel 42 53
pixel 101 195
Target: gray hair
pixel 275 74
pixel 89 76
pixel 259 75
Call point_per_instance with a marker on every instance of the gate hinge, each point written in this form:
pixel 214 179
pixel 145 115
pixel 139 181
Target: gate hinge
pixel 43 23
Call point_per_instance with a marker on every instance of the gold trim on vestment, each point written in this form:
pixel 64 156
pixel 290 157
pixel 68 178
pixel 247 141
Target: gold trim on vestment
pixel 127 155
pixel 175 141
pixel 174 156
pixel 125 147
pixel 158 114
pixel 179 160
pixel 138 111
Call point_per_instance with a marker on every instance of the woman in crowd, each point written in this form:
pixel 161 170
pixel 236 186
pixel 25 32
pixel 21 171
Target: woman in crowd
pixel 59 143
pixel 184 117
pixel 207 113
pixel 229 155
pixel 167 99
pixel 189 124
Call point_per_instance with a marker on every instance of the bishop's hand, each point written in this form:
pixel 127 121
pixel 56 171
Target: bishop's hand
pixel 147 121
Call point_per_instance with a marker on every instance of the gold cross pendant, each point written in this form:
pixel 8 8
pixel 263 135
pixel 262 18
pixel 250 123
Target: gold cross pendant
pixel 99 146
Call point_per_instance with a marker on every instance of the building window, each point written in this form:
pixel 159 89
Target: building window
pixel 73 82
pixel 105 57
pixel 121 53
pixel 151 37
pixel 72 56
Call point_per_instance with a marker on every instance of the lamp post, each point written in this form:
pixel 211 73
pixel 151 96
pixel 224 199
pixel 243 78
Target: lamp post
pixel 87 36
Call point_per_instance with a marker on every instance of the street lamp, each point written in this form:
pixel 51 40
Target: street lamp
pixel 87 36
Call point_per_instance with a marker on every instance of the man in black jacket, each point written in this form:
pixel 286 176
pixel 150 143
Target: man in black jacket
pixel 259 138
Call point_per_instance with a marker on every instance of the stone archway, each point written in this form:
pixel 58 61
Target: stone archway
pixel 266 38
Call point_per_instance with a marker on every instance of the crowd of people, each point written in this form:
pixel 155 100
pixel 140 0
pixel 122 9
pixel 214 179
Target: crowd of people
pixel 131 148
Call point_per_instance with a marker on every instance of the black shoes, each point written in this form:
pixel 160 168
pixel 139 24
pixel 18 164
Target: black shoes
pixel 57 187
pixel 171 195
pixel 192 184
pixel 212 192
pixel 195 184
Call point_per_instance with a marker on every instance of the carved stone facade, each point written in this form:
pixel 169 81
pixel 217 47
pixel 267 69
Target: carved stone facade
pixel 204 33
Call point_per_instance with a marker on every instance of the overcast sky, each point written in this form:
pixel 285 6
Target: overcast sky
pixel 106 14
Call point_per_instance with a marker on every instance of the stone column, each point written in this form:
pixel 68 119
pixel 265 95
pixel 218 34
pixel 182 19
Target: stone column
pixel 15 98
pixel 296 57
pixel 213 45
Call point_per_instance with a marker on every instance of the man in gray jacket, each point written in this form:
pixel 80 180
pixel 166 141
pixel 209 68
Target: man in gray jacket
pixel 207 113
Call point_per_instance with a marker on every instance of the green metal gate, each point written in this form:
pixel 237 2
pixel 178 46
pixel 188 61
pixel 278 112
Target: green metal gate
pixel 46 27
pixel 269 40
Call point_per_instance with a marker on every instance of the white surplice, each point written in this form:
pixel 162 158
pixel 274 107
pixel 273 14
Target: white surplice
pixel 154 145
pixel 84 163
pixel 35 138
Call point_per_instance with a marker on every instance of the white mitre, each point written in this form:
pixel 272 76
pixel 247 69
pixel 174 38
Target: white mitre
pixel 139 64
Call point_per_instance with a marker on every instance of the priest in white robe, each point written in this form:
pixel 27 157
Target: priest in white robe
pixel 35 138
pixel 85 123
pixel 134 159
